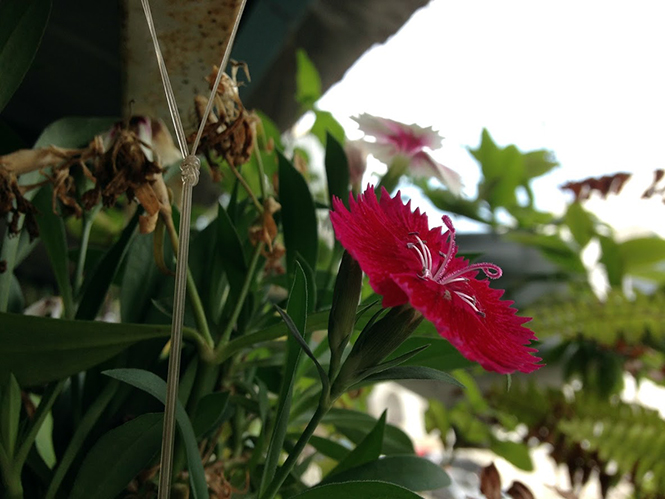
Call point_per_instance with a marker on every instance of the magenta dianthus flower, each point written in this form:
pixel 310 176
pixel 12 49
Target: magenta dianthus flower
pixel 407 262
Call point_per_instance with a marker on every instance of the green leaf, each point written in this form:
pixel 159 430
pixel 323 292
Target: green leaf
pixel 117 457
pixel 99 281
pixel 298 216
pixel 369 449
pixel 327 447
pixel 337 170
pixel 296 320
pixel 362 489
pixel 22 24
pixel 52 234
pixel 10 410
pixel 355 425
pixel 538 163
pixel 326 125
pixel 440 354
pixel 156 386
pixel 553 248
pixel 472 391
pixel 73 131
pixel 447 201
pixel 408 372
pixel 580 223
pixel 38 349
pixel 210 412
pixel 515 453
pixel 412 472
pixel 612 259
pixel 229 253
pixel 642 253
pixel 308 81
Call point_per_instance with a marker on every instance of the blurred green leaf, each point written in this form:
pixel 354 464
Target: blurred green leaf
pixel 22 24
pixel 355 425
pixel 580 223
pixel 538 163
pixel 298 216
pixel 38 349
pixel 52 234
pixel 472 392
pixel 308 82
pixel 436 418
pixel 10 410
pixel 361 489
pixel 337 170
pixel 73 131
pixel 117 457
pixel 612 259
pixel 327 447
pixel 412 472
pixel 440 354
pixel 325 124
pixel 210 412
pixel 447 201
pixel 641 253
pixel 156 386
pixel 269 131
pixel 369 449
pixel 515 453
pixel 553 248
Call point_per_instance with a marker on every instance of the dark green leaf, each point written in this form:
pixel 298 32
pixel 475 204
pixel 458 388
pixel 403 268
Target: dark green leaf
pixel 439 355
pixel 52 234
pixel 298 216
pixel 412 472
pixel 10 410
pixel 228 251
pixel 355 425
pixel 156 386
pixel 308 82
pixel 337 170
pixel 38 349
pixel 580 223
pixel 210 412
pixel 98 282
pixel 408 372
pixel 553 248
pixel 118 457
pixel 369 449
pixel 363 489
pixel 327 447
pixel 22 24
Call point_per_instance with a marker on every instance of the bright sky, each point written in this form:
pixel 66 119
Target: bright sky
pixel 583 79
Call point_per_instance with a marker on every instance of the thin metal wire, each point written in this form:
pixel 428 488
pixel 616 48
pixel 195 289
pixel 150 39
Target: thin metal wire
pixel 190 176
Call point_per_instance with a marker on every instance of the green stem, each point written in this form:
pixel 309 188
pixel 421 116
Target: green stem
pixel 86 228
pixel 290 462
pixel 248 189
pixel 192 291
pixel 259 162
pixel 226 334
pixel 82 431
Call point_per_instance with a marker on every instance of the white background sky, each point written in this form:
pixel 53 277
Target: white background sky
pixel 585 79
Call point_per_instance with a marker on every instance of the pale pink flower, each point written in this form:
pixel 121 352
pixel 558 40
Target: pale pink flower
pixel 397 140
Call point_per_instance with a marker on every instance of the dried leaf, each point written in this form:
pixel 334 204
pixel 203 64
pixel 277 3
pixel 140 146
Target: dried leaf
pixel 490 482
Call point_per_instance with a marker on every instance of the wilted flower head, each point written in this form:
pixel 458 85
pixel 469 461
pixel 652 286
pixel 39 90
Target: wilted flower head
pixel 397 140
pixel 407 262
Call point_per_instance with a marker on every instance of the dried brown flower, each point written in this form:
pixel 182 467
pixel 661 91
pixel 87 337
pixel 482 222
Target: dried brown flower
pixel 653 188
pixel 490 482
pixel 607 184
pixel 12 201
pixel 230 128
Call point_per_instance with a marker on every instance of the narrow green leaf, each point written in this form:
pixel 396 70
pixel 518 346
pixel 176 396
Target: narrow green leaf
pixel 117 457
pixel 298 216
pixel 396 361
pixel 311 282
pixel 580 223
pixel 612 259
pixel 10 410
pixel 156 386
pixel 355 425
pixel 308 81
pixel 412 472
pixel 38 349
pixel 369 449
pixel 362 489
pixel 52 234
pixel 22 25
pixel 408 372
pixel 440 354
pixel 228 251
pixel 98 282
pixel 295 319
pixel 327 447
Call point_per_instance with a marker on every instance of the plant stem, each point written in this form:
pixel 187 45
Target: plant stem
pixel 290 462
pixel 226 334
pixel 82 431
pixel 244 183
pixel 259 162
pixel 192 292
